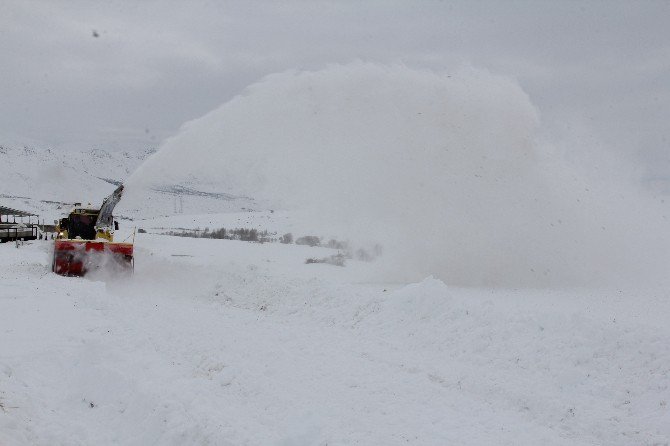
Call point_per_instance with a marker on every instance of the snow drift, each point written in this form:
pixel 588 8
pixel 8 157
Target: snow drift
pixel 442 169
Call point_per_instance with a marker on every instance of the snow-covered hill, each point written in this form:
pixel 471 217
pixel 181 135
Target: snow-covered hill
pixel 48 181
pixel 44 180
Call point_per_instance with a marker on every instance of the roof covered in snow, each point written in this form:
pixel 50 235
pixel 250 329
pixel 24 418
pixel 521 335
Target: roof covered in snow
pixel 15 212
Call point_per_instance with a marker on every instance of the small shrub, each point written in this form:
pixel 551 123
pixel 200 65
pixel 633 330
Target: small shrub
pixel 310 240
pixel 218 233
pixel 363 255
pixel 286 238
pixel 336 244
pixel 336 259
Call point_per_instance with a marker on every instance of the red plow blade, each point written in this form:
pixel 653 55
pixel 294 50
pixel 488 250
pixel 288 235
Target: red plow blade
pixel 77 257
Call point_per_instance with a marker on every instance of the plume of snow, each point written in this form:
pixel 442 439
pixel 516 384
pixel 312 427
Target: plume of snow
pixel 444 170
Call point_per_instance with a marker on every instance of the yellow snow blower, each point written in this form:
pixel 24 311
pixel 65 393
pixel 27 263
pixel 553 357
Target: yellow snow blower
pixel 85 240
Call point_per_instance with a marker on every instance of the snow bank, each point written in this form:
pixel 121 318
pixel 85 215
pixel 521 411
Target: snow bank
pixel 442 169
pixel 224 342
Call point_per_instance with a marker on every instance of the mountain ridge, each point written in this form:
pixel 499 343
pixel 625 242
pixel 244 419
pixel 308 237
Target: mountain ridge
pixel 44 180
pixel 48 182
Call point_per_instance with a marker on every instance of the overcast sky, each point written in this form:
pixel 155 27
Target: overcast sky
pixel 126 74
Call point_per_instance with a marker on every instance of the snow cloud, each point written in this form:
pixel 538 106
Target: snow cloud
pixel 444 169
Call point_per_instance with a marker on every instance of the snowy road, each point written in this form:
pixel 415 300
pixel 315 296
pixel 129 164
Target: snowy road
pixel 222 342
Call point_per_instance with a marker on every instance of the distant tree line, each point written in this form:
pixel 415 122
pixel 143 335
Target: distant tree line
pixel 258 236
pixel 242 234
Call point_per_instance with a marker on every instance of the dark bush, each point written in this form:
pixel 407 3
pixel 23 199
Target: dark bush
pixel 310 240
pixel 336 244
pixel 337 260
pixel 286 238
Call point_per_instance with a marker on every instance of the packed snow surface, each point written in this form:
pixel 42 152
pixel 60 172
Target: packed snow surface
pixel 227 342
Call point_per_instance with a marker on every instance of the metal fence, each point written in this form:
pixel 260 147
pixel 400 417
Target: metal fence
pixel 16 232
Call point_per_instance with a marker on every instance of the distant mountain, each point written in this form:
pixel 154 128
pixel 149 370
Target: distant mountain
pixel 48 182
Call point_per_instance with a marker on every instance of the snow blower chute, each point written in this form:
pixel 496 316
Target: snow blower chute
pixel 85 240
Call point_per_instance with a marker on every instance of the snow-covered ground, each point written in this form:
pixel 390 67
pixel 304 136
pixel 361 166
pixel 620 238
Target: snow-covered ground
pixel 226 342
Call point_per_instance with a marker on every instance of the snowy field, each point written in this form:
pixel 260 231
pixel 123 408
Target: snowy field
pixel 447 225
pixel 229 343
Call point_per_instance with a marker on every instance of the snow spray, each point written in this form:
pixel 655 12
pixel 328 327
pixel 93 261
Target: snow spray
pixel 444 170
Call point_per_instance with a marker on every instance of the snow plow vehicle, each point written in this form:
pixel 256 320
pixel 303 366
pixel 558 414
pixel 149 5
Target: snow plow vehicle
pixel 85 240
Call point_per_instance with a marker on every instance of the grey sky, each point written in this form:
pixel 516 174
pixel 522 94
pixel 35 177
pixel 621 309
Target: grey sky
pixel 596 70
